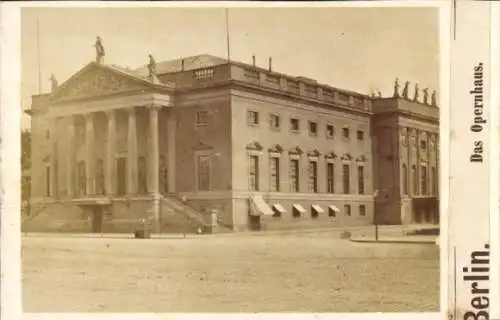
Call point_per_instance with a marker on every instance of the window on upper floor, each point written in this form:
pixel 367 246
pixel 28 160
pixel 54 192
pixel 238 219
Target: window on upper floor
pixel 294 124
pixel 313 128
pixel 201 117
pixel 252 117
pixel 345 133
pixel 275 121
pixel 423 144
pixel 330 131
pixel 360 135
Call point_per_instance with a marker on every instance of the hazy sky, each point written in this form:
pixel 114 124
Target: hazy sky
pixel 361 49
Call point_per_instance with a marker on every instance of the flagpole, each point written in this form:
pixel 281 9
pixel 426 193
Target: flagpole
pixel 227 35
pixel 38 56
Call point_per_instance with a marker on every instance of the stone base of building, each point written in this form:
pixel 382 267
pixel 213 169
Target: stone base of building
pixel 405 211
pixel 212 212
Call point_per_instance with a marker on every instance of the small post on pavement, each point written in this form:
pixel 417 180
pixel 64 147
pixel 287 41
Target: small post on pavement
pixel 375 220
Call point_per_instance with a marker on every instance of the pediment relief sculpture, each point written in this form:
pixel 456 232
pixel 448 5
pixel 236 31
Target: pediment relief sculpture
pixel 95 82
pixel 254 146
pixel 361 158
pixel 296 150
pixel 314 153
pixel 346 157
pixel 276 149
pixel 331 155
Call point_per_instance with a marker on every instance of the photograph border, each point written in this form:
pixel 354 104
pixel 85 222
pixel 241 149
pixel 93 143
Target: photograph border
pixel 10 166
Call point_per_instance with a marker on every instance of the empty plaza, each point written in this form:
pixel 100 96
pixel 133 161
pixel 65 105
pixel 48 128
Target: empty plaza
pixel 301 272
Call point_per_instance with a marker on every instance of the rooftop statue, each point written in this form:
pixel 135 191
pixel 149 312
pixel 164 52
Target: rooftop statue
pixel 416 96
pixel 426 95
pixel 99 50
pixel 152 66
pixel 405 89
pixel 396 88
pixel 433 99
pixel 53 82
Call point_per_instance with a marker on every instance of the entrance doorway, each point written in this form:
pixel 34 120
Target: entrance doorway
pixel 97 219
pixel 254 222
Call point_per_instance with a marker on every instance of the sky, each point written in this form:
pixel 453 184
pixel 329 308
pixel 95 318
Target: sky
pixel 359 49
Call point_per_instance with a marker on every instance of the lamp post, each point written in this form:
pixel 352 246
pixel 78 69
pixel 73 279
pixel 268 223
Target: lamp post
pixel 375 220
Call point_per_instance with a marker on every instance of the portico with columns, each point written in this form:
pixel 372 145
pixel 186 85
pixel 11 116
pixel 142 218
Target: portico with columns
pixel 105 142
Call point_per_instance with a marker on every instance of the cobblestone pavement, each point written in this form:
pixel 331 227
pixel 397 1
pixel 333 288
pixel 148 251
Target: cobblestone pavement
pixel 307 272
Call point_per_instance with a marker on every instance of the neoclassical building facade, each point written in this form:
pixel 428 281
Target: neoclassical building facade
pixel 202 142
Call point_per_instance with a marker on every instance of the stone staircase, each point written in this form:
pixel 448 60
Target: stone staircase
pixel 177 216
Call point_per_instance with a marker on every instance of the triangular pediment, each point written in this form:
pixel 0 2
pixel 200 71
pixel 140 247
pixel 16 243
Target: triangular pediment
pixel 276 149
pixel 314 153
pixel 296 151
pixel 96 80
pixel 330 155
pixel 254 145
pixel 200 146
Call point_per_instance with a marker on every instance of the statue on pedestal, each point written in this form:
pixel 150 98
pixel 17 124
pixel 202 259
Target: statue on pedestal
pixel 99 50
pixel 405 89
pixel 417 93
pixel 426 95
pixel 53 83
pixel 396 88
pixel 379 94
pixel 433 99
pixel 152 66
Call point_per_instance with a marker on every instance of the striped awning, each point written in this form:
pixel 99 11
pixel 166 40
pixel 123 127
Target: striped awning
pixel 317 208
pixel 299 208
pixel 278 207
pixel 260 207
pixel 333 208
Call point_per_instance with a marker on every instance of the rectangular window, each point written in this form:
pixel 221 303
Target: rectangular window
pixel 414 177
pixel 330 131
pixel 252 117
pixel 360 135
pixel 435 183
pixel 345 133
pixel 294 124
pixel 47 181
pixel 313 128
pixel 121 176
pixel 275 121
pixel 346 177
pixel 82 178
pixel 100 187
pixel 314 213
pixel 347 210
pixel 202 117
pixel 405 179
pixel 294 175
pixel 313 176
pixel 362 210
pixel 361 180
pixel 142 175
pixel 423 144
pixel 275 174
pixel 423 180
pixel 331 212
pixel 330 177
pixel 254 173
pixel 203 163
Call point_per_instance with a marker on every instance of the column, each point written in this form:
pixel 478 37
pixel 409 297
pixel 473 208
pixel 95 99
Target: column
pixel 89 153
pixel 70 158
pixel 110 153
pixel 132 152
pixel 53 157
pixel 154 155
pixel 171 155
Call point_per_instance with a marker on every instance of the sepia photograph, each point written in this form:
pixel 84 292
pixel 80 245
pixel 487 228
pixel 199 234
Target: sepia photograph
pixel 196 159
